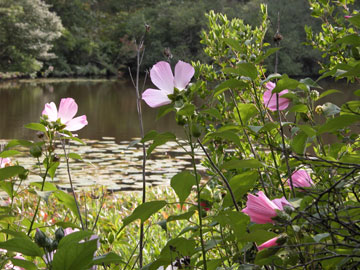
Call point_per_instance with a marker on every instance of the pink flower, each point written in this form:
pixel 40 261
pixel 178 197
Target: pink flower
pixel 300 178
pixel 270 99
pixel 67 110
pixel 347 16
pixel 162 76
pixel 9 265
pixel 4 162
pixel 261 210
pixel 270 243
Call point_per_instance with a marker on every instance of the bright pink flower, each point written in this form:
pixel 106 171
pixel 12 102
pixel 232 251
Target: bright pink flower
pixel 261 210
pixel 162 76
pixel 300 178
pixel 4 162
pixel 347 16
pixel 270 243
pixel 67 110
pixel 270 99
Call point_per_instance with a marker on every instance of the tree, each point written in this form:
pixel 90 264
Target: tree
pixel 27 30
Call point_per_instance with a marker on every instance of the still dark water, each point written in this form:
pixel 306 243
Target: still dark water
pixel 110 106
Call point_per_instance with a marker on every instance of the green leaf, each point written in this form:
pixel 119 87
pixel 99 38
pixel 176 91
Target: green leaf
pixel 52 169
pixel 9 153
pixel 187 110
pixel 236 220
pixel 240 185
pixel 164 110
pixel 285 83
pixel 161 139
pixel 213 112
pixel 11 171
pixel 22 245
pixel 13 143
pixel 310 82
pixel 233 43
pixel 8 187
pixel 67 200
pixel 300 108
pixel 329 92
pixel 185 216
pixel 267 54
pixel 357 92
pixel 74 255
pixel 308 130
pixel 355 20
pixel 229 84
pixel 44 195
pixel 243 69
pixel 185 247
pixel 247 111
pixel 47 186
pixel 258 236
pixel 182 184
pixel 298 143
pixel 143 212
pixel 337 123
pixel 353 39
pixel 74 156
pixel 74 237
pixel 107 259
pixel 36 126
pixel 14 233
pixel 239 164
pixel 226 135
pixel 23 264
pixel 266 257
pixel 150 136
pixel 320 236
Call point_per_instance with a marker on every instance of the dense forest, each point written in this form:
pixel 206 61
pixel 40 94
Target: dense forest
pixel 96 38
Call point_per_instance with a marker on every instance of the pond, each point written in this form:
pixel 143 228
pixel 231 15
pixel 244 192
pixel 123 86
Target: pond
pixel 110 107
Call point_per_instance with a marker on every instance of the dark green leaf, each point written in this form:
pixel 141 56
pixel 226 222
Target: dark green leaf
pixel 164 110
pixel 107 259
pixel 161 139
pixel 22 245
pixel 23 264
pixel 74 237
pixel 329 92
pixel 229 84
pixel 13 143
pixel 9 153
pixel 213 112
pixel 184 216
pixel 239 164
pixel 185 247
pixel 337 123
pixel 36 126
pixel 353 39
pixel 355 20
pixel 285 83
pixel 300 108
pixel 247 111
pixel 187 110
pixel 243 69
pixel 11 171
pixel 238 222
pixel 67 200
pixel 144 211
pixel 74 156
pixel 258 236
pixel 182 184
pixel 308 130
pixel 298 143
pixel 234 44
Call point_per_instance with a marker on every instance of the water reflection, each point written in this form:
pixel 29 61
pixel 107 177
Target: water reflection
pixel 110 107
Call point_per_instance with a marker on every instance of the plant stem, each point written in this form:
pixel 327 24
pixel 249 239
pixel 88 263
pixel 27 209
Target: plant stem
pixel 71 184
pixel 220 174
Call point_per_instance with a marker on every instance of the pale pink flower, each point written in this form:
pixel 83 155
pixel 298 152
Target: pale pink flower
pixel 4 162
pixel 270 101
pixel 67 110
pixel 300 178
pixel 9 265
pixel 261 209
pixel 162 76
pixel 270 243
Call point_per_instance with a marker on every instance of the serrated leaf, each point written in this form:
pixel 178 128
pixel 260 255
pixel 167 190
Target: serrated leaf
pixel 36 126
pixel 182 184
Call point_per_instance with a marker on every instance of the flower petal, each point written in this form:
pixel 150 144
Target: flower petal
pixel 162 76
pixel 51 111
pixel 270 100
pixel 183 74
pixel 270 243
pixel 155 98
pixel 76 123
pixel 67 109
pixel 270 86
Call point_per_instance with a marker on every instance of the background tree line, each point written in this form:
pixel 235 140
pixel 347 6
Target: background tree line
pixel 93 37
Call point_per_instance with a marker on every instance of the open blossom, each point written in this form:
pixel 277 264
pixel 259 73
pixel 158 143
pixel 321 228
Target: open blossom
pixel 4 162
pixel 300 178
pixel 261 209
pixel 162 76
pixel 9 265
pixel 270 243
pixel 270 100
pixel 67 110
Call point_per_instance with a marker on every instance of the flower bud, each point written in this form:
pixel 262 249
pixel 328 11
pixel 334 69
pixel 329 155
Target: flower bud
pixel 35 151
pixel 41 239
pixel 314 95
pixel 59 234
pixel 319 109
pixel 40 134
